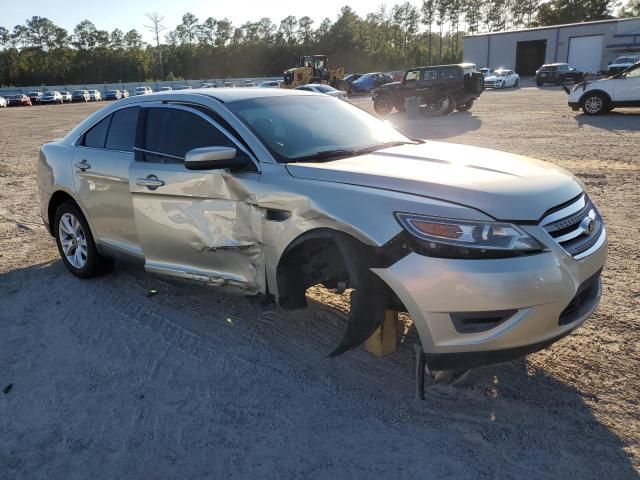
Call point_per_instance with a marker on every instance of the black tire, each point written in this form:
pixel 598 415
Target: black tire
pixel 88 265
pixel 465 107
pixel 595 103
pixel 400 107
pixel 382 106
pixel 515 85
pixel 539 83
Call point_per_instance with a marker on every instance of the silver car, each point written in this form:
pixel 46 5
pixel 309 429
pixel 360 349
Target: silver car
pixel 273 191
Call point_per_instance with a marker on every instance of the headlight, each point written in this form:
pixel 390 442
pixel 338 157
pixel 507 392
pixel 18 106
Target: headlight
pixel 452 238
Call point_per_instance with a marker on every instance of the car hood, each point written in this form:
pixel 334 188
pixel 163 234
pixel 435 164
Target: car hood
pixel 505 186
pixel 621 65
pixel 492 78
pixel 389 85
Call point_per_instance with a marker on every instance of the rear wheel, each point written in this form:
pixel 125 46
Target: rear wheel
pixel 539 83
pixel 595 104
pixel 517 83
pixel 75 243
pixel 382 106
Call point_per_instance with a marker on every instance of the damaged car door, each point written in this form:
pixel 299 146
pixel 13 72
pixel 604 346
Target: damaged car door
pixel 195 224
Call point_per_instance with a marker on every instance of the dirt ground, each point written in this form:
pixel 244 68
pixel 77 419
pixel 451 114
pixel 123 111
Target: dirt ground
pixel 101 379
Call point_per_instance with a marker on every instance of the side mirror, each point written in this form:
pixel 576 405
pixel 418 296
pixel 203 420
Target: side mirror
pixel 213 158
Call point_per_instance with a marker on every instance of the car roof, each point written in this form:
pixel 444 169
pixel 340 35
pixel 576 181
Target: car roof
pixel 227 95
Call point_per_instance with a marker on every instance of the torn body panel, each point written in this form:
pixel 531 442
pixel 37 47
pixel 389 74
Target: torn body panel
pixel 199 225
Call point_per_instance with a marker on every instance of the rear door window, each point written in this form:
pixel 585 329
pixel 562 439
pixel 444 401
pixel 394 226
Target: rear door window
pixel 122 131
pixel 96 136
pixel 172 132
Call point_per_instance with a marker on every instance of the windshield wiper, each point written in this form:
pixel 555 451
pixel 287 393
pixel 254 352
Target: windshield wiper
pixel 325 155
pixel 341 152
pixel 381 146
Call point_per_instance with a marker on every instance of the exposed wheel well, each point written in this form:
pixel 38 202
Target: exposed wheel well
pixel 56 200
pixel 312 258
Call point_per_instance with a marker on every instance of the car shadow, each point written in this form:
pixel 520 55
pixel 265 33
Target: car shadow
pixel 617 120
pixel 447 126
pixel 243 363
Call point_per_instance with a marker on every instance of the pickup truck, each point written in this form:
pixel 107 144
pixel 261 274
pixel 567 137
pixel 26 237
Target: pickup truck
pixel 442 88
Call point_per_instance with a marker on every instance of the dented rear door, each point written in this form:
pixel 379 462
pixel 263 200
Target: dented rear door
pixel 194 224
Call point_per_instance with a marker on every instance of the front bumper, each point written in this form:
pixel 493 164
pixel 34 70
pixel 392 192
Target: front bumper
pixel 575 106
pixel 538 289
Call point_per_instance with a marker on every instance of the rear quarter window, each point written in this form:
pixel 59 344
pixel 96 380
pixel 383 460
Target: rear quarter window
pixel 96 136
pixel 122 131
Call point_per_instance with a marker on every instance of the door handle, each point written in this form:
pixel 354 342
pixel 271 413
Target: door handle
pixel 83 166
pixel 151 182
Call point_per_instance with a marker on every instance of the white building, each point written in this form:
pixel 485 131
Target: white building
pixel 588 46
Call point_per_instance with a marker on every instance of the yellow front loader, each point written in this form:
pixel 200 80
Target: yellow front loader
pixel 314 69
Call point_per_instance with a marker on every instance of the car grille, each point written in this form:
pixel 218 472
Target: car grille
pixel 576 226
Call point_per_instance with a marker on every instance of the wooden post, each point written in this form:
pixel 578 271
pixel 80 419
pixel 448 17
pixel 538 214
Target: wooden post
pixel 383 340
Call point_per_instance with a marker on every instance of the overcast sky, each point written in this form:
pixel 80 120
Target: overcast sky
pixel 128 14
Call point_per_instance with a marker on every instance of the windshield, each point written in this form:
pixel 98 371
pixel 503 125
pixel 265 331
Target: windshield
pixel 78 92
pixel 292 127
pixel 500 73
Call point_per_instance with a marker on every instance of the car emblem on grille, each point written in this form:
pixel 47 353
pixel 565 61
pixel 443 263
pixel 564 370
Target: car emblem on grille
pixel 588 225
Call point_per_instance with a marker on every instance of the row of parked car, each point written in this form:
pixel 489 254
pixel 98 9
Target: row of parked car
pixel 93 95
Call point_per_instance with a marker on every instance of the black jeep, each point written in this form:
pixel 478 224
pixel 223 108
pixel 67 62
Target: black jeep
pixel 441 88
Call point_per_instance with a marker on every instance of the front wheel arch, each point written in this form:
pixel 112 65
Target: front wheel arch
pixel 605 96
pixel 331 257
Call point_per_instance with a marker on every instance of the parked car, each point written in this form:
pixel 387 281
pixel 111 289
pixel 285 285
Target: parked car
pixel 441 89
pixel 229 84
pixel 183 87
pixel 270 84
pixel 502 78
pixel 324 89
pixel 208 85
pixel 602 96
pixel 18 100
pixel 622 63
pixel 144 90
pixel 493 255
pixel 94 95
pixel 52 96
pixel 80 96
pixel 352 78
pixel 35 97
pixel 66 96
pixel 113 95
pixel 125 93
pixel 165 89
pixel 486 71
pixel 3 102
pixel 558 73
pixel 248 83
pixel 370 81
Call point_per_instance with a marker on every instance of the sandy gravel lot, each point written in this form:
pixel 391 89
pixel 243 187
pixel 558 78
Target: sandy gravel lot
pixel 99 379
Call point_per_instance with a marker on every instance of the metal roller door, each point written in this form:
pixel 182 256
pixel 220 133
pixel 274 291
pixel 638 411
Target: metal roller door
pixel 585 53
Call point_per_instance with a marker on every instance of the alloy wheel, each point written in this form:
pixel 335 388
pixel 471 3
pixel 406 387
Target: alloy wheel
pixel 593 104
pixel 73 240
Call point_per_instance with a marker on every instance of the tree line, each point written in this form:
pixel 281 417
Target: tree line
pixel 40 52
